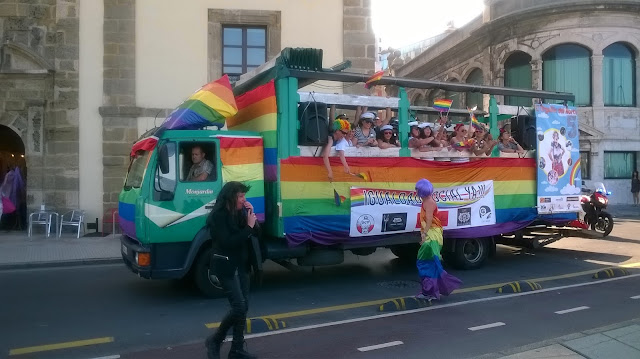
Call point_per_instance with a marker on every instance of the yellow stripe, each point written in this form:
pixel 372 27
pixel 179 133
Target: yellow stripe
pixel 381 302
pixel 268 122
pixel 248 326
pixel 245 172
pixel 513 287
pixel 317 190
pixel 266 320
pixel 215 102
pixel 66 345
pixel 284 324
pixel 518 286
pixel 404 305
pixel 275 324
pixel 395 301
pixel 610 273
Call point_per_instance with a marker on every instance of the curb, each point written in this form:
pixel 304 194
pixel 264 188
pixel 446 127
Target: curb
pixel 519 287
pixel 263 324
pixel 54 264
pixel 404 303
pixel 611 273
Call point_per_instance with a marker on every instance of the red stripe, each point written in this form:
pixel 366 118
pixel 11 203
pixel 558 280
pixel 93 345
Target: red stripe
pixel 235 142
pixel 146 144
pixel 413 162
pixel 255 95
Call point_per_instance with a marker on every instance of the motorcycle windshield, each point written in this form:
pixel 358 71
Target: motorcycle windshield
pixel 599 187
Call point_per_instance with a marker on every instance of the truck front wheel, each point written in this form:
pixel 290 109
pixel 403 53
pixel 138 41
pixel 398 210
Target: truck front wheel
pixel 469 253
pixel 203 277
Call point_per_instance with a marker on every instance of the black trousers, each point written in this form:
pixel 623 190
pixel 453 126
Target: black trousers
pixel 236 288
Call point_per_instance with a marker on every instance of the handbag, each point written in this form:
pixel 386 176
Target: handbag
pixel 7 206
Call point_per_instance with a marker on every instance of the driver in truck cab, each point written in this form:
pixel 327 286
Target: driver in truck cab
pixel 201 167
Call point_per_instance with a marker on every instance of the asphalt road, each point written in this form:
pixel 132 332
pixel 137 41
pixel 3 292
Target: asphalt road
pixel 120 313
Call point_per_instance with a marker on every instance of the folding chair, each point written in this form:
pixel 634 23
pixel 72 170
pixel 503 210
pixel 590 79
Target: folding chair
pixel 72 218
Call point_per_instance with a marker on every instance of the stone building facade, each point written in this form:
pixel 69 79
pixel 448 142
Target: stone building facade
pixel 79 99
pixel 524 43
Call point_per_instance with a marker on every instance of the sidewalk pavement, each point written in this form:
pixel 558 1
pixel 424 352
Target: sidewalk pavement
pixel 624 211
pixel 17 250
pixel 616 341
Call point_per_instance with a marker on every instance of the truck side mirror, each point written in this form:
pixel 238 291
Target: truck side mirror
pixel 163 159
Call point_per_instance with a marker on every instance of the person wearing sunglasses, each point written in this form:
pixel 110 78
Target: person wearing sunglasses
pixel 460 139
pixel 388 140
pixel 341 129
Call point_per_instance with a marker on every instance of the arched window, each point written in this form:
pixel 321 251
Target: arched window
pixel 618 76
pixel 474 98
pixel 517 74
pixel 567 68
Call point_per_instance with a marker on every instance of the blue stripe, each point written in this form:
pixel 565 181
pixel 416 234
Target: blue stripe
pixel 258 204
pixel 305 224
pixel 127 211
pixel 270 156
pixel 516 215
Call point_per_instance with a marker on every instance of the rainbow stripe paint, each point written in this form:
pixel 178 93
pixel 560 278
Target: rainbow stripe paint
pixel 442 104
pixel 208 106
pixel 257 112
pixel 310 214
pixel 241 158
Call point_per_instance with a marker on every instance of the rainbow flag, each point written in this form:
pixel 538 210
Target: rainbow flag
pixel 208 106
pixel 476 124
pixel 257 112
pixel 376 77
pixel 309 211
pixel 442 105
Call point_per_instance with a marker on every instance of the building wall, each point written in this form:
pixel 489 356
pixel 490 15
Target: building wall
pixel 39 95
pixel 534 29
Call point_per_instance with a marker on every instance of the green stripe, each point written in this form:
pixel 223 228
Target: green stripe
pixel 314 207
pixel 129 196
pixel 515 201
pixel 202 110
pixel 270 139
pixel 257 188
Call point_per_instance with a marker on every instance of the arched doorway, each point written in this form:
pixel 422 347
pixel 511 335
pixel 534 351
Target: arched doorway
pixel 12 158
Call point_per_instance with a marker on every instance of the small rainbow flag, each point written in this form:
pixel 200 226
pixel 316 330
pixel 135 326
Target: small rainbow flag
pixel 210 105
pixel 476 124
pixel 364 175
pixel 464 144
pixel 442 104
pixel 376 77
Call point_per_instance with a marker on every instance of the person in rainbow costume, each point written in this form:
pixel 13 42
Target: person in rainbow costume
pixel 338 139
pixel 435 280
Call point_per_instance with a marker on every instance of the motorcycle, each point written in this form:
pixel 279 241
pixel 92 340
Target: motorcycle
pixel 593 205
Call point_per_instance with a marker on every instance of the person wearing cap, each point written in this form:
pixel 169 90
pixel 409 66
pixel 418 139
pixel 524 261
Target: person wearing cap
pixel 387 140
pixel 365 134
pixel 340 129
pixel 484 142
pixel 415 139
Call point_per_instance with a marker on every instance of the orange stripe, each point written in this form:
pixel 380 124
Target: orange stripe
pixel 262 107
pixel 222 91
pixel 240 155
pixel 318 173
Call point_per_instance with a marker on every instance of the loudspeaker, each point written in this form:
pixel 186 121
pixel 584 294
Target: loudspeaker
pixel 523 129
pixel 314 126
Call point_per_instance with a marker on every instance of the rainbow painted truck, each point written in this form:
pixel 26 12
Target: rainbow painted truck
pixel 274 144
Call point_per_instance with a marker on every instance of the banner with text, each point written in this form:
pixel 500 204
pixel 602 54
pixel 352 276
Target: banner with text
pixel 386 211
pixel 559 178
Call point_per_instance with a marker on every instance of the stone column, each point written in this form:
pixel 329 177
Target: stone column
pixel 119 112
pixel 637 77
pixel 597 95
pixel 536 74
pixel 358 43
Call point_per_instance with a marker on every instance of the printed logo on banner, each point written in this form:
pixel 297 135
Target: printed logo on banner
pixel 392 222
pixel 464 217
pixel 365 224
pixel 573 199
pixel 485 214
pixel 545 200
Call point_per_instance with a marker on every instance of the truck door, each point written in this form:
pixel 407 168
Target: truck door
pixel 182 196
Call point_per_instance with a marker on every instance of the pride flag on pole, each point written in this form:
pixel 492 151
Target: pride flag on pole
pixel 210 105
pixel 442 105
pixel 376 77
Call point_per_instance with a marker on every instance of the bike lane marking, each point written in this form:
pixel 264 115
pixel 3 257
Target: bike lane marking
pixel 380 346
pixel 487 326
pixel 57 346
pixel 571 310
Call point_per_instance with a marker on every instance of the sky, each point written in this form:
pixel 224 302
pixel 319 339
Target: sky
pixel 403 22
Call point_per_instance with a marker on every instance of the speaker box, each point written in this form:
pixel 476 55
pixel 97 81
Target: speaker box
pixel 523 129
pixel 314 125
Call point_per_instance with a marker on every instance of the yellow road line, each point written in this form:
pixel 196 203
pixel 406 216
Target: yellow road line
pixel 66 345
pixel 334 308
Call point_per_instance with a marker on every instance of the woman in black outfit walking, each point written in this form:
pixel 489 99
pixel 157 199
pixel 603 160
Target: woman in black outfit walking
pixel 230 223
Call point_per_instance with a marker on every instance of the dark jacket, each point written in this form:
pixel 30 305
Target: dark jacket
pixel 230 237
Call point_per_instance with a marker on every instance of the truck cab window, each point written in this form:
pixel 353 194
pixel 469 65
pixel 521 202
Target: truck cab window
pixel 166 182
pixel 197 162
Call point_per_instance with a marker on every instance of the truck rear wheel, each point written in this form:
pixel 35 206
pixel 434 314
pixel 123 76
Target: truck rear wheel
pixel 469 253
pixel 203 277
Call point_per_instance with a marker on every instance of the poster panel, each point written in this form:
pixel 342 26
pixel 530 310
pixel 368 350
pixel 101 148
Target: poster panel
pixel 385 211
pixel 558 174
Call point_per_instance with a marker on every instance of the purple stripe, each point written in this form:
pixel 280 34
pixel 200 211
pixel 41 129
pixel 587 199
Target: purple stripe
pixel 271 173
pixel 332 238
pixel 128 228
pixel 260 216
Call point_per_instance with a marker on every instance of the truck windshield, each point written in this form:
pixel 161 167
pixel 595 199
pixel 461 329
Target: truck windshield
pixel 136 170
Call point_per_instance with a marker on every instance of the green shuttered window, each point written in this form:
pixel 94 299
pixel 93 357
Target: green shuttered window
pixel 517 74
pixel 618 76
pixel 567 68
